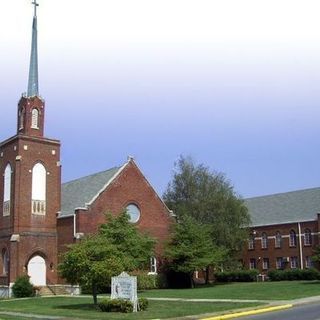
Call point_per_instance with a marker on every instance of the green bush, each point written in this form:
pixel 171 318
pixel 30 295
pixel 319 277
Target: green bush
pixel 22 288
pixel 237 276
pixel 150 281
pixel 295 274
pixel 121 305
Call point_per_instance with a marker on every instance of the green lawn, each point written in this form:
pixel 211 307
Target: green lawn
pixel 83 308
pixel 284 290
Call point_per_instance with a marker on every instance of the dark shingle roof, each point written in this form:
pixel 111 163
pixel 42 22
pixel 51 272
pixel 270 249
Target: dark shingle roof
pixel 292 206
pixel 76 193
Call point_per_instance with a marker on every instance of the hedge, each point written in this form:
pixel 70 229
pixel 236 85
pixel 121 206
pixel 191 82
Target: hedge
pixel 237 276
pixel 121 305
pixel 295 274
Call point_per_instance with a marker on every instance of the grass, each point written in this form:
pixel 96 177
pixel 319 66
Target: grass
pixel 83 308
pixel 284 290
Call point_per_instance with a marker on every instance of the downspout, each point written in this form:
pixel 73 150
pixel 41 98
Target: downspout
pixel 300 246
pixel 74 226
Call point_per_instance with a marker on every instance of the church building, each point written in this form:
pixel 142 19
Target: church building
pixel 39 216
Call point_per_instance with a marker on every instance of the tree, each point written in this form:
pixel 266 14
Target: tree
pixel 118 246
pixel 191 248
pixel 210 199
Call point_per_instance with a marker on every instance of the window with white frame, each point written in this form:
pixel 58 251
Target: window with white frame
pixel 278 240
pixel 7 190
pixel 153 265
pixel 308 262
pixel 264 241
pixel 292 239
pixel 251 242
pixel 294 262
pixel 307 237
pixel 279 263
pixel 265 263
pixel 39 177
pixel 35 119
pixel 252 264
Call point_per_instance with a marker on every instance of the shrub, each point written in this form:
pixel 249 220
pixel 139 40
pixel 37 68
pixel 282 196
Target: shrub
pixel 237 276
pixel 121 305
pixel 295 274
pixel 150 281
pixel 22 288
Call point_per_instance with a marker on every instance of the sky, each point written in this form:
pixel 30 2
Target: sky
pixel 234 84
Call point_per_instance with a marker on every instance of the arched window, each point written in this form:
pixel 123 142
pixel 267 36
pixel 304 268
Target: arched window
pixel 7 190
pixel 264 241
pixel 21 118
pixel 278 241
pixel 293 239
pixel 5 262
pixel 39 176
pixel 35 119
pixel 307 237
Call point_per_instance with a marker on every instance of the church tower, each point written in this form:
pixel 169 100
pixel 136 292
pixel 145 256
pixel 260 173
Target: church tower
pixel 30 187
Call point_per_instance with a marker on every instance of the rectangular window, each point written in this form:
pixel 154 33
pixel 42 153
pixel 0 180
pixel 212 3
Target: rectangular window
pixel 252 264
pixel 153 265
pixel 279 263
pixel 251 243
pixel 308 262
pixel 294 262
pixel 265 263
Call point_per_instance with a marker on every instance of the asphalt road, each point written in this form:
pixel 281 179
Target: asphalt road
pixel 303 312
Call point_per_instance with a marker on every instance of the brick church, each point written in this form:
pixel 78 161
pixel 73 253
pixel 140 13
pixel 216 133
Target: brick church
pixel 39 216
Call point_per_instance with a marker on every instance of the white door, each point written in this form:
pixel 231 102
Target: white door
pixel 37 271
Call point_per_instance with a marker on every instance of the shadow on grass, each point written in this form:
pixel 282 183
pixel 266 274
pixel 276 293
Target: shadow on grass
pixel 317 282
pixel 80 307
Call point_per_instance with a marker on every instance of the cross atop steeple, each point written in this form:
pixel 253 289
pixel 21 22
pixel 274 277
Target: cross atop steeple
pixel 35 7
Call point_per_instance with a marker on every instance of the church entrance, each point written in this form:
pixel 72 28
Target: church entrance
pixel 37 271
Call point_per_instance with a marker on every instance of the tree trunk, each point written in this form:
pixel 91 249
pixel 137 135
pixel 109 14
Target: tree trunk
pixel 207 274
pixel 94 294
pixel 191 280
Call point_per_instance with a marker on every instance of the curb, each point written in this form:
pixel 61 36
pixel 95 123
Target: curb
pixel 249 312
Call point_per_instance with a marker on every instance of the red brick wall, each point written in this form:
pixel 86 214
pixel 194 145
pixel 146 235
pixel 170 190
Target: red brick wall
pixel 271 252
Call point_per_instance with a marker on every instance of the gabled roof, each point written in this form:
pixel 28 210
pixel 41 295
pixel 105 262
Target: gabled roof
pixel 80 192
pixel 295 206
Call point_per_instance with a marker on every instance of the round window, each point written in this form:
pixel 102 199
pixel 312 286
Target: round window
pixel 134 213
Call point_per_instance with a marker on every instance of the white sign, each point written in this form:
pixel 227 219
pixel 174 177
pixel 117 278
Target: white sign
pixel 124 286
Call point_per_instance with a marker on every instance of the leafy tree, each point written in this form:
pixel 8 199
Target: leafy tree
pixel 95 259
pixel 210 199
pixel 316 255
pixel 124 235
pixel 191 248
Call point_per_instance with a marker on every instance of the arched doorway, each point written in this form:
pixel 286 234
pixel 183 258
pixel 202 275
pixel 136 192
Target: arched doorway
pixel 37 271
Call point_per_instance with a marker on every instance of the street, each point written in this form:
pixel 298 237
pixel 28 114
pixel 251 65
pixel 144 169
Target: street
pixel 303 312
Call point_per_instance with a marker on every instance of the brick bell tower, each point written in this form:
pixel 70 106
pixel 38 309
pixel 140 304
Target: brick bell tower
pixel 29 189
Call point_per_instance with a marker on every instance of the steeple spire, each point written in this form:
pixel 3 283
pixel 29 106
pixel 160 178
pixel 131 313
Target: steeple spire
pixel 33 85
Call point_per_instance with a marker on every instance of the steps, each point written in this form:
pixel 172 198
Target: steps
pixel 52 290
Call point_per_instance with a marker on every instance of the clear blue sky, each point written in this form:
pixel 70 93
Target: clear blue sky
pixel 235 84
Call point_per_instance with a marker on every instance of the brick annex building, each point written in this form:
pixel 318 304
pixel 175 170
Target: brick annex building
pixel 38 216
pixel 284 232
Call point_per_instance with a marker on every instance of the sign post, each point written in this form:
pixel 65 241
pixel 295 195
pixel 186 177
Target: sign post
pixel 124 286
